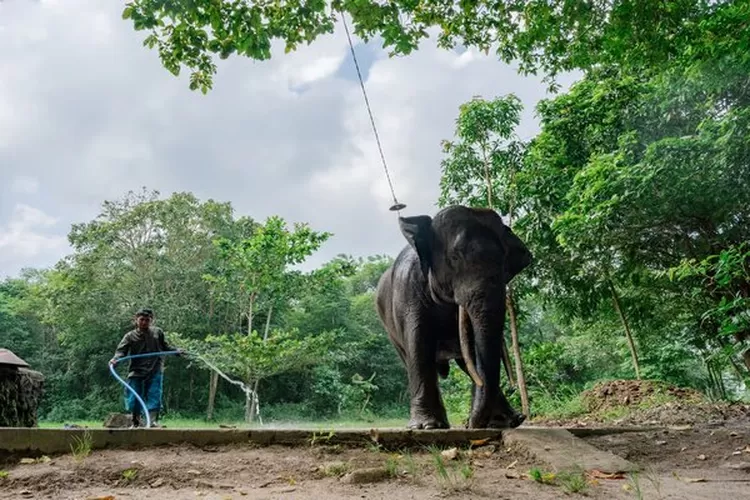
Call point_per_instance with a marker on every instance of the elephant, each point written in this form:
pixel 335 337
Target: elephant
pixel 443 298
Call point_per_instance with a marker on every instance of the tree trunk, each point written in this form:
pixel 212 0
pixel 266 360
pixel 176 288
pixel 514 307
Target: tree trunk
pixel 213 384
pixel 252 403
pixel 250 318
pixel 510 305
pixel 628 334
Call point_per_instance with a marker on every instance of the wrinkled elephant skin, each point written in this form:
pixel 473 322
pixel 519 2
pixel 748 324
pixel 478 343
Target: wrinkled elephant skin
pixel 456 263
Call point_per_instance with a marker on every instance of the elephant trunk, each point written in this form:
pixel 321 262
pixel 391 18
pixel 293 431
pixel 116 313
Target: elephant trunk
pixel 487 322
pixel 464 327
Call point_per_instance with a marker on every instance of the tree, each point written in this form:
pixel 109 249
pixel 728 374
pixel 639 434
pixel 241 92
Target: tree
pixel 257 268
pixel 541 35
pixel 479 170
pixel 252 358
pixel 139 251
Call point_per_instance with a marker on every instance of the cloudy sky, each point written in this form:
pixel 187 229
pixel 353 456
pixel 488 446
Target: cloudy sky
pixel 87 113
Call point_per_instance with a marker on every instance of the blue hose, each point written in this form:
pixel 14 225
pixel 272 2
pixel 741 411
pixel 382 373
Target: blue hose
pixel 119 379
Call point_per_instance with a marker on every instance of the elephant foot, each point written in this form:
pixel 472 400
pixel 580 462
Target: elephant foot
pixel 498 422
pixel 507 422
pixel 425 422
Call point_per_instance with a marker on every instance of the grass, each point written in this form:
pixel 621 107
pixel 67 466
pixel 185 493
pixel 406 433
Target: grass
pixel 81 446
pixel 186 423
pixel 452 475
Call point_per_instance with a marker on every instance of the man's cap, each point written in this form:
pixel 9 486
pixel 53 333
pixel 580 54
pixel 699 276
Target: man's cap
pixel 145 312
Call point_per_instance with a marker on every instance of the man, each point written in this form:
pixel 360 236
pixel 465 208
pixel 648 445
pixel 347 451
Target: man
pixel 145 374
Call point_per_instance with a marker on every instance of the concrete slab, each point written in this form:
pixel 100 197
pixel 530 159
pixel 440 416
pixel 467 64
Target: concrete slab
pixel 34 442
pixel 562 451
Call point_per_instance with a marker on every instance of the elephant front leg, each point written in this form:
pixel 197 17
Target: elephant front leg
pixel 503 416
pixel 427 410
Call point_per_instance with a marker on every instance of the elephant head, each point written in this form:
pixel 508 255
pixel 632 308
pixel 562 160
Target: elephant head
pixel 468 255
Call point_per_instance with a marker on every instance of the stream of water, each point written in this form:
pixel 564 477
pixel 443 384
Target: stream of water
pixel 249 393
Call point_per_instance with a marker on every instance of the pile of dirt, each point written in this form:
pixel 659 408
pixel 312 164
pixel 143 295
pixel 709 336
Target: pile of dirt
pixel 636 393
pixel 647 402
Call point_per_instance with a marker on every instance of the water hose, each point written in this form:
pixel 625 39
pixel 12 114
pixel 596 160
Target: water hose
pixel 119 379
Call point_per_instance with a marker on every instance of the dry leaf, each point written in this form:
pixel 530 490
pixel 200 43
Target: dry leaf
pixel 747 449
pixel 479 442
pixel 28 461
pixel 451 454
pixel 512 465
pixel 660 443
pixel 737 453
pixel 512 474
pixel 733 434
pixel 597 474
pixel 627 487
pixel 701 457
pixel 680 427
pixel 693 479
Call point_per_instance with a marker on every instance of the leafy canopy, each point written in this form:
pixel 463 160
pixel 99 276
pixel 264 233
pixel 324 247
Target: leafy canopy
pixel 548 35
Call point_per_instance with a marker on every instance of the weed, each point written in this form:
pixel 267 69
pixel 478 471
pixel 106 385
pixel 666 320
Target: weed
pixel 635 485
pixel 411 465
pixel 655 480
pixel 4 474
pixel 81 447
pixel 391 465
pixel 321 437
pixel 573 482
pixel 129 474
pixel 337 469
pixel 453 476
pixel 539 476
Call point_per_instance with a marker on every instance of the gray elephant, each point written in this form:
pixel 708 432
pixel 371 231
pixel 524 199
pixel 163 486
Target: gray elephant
pixel 443 298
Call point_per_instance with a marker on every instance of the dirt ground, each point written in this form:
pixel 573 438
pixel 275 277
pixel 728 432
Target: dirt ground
pixel 700 451
pixel 692 463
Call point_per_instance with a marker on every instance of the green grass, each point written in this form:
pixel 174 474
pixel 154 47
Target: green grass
pixel 186 423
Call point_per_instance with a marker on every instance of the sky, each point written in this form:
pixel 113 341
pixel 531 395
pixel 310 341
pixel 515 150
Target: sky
pixel 87 113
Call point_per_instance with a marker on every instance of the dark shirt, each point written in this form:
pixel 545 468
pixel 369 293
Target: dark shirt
pixel 138 342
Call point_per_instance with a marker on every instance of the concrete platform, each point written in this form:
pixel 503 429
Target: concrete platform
pixel 34 441
pixel 564 452
pixel 559 448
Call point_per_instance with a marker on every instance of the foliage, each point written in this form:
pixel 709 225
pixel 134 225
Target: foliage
pixel 540 35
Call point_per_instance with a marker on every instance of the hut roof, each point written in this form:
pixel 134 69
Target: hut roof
pixel 8 358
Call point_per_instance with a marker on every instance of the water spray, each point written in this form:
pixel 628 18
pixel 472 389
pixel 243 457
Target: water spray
pixel 249 393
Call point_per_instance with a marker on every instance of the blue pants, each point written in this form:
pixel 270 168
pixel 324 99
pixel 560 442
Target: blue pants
pixel 149 389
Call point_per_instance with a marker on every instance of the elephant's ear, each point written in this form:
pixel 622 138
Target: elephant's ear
pixel 418 232
pixel 518 256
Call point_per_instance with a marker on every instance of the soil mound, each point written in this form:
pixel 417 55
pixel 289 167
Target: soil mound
pixel 648 402
pixel 636 393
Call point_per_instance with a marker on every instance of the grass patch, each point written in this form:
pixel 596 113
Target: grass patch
pixel 453 475
pixel 81 446
pixel 197 423
pixel 4 474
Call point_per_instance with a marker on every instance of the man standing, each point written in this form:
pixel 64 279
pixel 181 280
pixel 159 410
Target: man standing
pixel 145 374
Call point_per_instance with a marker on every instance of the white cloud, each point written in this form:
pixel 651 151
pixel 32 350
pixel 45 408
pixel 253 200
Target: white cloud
pixel 25 238
pixel 91 113
pixel 23 184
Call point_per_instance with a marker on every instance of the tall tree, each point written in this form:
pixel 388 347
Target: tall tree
pixel 257 268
